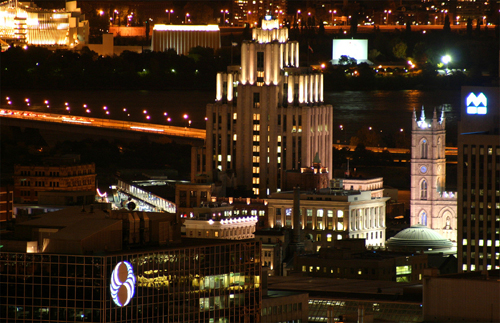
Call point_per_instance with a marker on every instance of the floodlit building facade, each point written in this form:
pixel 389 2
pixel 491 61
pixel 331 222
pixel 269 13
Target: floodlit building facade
pixel 24 23
pixel 327 216
pixel 269 115
pixel 430 204
pixel 182 38
pixel 479 179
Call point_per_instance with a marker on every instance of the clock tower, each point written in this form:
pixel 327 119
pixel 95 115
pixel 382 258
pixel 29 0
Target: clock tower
pixel 430 204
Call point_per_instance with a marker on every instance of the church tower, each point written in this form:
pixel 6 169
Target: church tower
pixel 431 205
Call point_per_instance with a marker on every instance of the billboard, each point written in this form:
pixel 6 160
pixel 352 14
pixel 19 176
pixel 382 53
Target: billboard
pixel 356 48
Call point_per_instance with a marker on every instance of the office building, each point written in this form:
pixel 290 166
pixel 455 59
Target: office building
pixel 63 175
pixel 465 297
pixel 269 115
pixel 250 12
pixel 430 204
pixel 97 266
pixel 25 23
pixel 182 38
pixel 479 179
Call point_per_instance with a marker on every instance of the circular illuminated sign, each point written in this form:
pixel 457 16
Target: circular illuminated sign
pixel 122 283
pixel 423 169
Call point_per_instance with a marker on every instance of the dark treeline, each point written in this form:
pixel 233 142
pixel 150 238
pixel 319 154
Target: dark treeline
pixel 41 68
pixel 474 52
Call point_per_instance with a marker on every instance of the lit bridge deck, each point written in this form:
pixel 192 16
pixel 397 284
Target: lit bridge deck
pixel 106 123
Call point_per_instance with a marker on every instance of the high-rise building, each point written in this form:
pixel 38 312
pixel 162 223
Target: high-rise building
pixel 430 204
pixel 250 11
pixel 269 115
pixel 479 179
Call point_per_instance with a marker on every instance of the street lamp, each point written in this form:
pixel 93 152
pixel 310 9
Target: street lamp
pixel 458 18
pixel 332 12
pixel 169 11
pixel 224 11
pixel 297 16
pixel 186 18
pixel 387 13
pixel 446 59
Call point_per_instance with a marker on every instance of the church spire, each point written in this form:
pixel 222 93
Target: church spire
pixel 434 114
pixel 414 114
pixel 422 115
pixel 442 116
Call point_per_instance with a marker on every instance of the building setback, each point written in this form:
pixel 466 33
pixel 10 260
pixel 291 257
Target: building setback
pixel 269 116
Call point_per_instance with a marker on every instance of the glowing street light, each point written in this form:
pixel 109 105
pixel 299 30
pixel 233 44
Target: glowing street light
pixel 169 11
pixel 186 18
pixel 224 12
pixel 446 59
pixel 387 13
pixel 297 15
pixel 332 12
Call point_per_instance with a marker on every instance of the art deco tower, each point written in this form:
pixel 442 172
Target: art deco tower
pixel 268 116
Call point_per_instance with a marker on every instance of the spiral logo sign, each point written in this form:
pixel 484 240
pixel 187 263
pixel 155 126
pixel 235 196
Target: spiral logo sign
pixel 122 283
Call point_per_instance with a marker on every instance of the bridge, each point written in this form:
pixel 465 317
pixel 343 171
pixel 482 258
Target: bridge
pixel 186 132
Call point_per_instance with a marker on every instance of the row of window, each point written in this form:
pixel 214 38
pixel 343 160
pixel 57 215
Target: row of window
pixel 56 173
pixel 56 184
pixel 281 309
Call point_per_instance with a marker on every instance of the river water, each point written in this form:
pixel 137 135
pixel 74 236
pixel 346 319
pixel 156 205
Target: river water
pixel 388 111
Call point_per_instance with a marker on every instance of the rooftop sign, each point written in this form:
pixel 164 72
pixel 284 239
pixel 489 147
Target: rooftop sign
pixel 476 104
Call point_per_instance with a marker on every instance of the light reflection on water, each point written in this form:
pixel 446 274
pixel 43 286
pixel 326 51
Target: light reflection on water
pixel 390 110
pixel 383 110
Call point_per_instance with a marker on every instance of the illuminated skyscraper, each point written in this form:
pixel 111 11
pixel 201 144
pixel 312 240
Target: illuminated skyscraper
pixel 269 116
pixel 431 205
pixel 479 179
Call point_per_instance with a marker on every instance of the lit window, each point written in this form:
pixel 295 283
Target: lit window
pixel 219 157
pixel 228 158
pixel 279 138
pixel 235 137
pixel 235 115
pixel 279 149
pixel 329 237
pixel 216 234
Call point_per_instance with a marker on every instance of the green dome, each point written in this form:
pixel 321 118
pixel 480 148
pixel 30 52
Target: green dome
pixel 418 237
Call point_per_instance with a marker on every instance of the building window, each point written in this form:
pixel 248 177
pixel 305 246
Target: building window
pixel 423 218
pixel 256 100
pixel 423 149
pixel 423 190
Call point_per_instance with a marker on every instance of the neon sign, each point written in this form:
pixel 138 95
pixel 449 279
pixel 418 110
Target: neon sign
pixel 122 283
pixel 477 104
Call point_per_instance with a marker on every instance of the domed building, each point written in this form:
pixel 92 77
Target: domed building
pixel 419 238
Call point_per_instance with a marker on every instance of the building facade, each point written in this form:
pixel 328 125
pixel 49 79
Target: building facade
pixel 182 38
pixel 479 179
pixel 24 23
pixel 269 115
pixel 430 203
pixel 29 180
pixel 328 216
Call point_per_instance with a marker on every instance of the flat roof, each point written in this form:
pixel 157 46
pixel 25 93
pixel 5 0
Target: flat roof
pixel 333 288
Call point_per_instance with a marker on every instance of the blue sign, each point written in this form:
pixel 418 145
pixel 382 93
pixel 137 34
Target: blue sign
pixel 476 104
